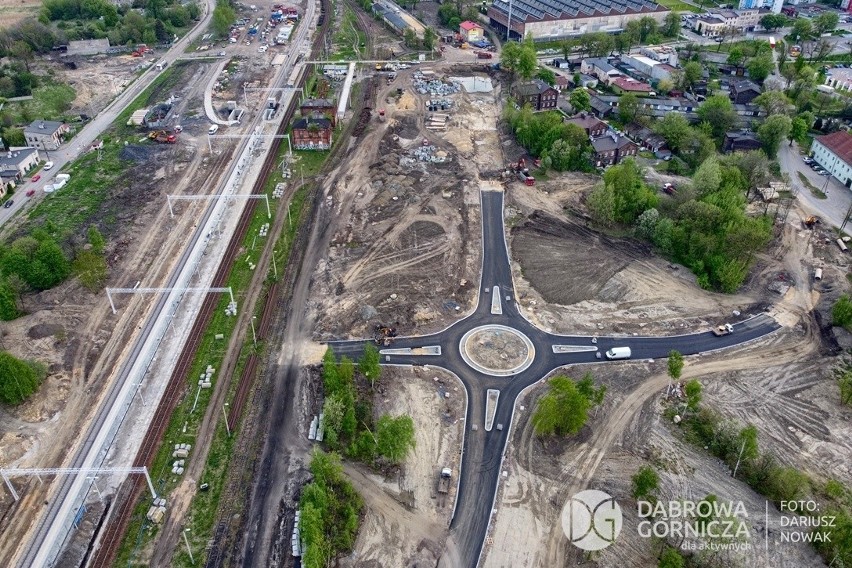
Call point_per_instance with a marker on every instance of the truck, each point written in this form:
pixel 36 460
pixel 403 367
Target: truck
pixel 724 329
pixel 444 480
pixel 162 65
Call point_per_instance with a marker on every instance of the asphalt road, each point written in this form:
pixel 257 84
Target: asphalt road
pixel 483 451
pixel 833 209
pixel 82 141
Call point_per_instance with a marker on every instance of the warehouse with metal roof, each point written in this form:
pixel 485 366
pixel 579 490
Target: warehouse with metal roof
pixel 554 19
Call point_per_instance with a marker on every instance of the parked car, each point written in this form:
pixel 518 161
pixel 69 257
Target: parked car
pixel 35 178
pixel 824 173
pixel 30 193
pixel 8 204
pixel 48 166
pixel 808 160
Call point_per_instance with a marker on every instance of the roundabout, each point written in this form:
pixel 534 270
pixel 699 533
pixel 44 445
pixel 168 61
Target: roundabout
pixel 497 350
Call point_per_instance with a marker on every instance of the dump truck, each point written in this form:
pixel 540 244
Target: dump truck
pixel 444 480
pixel 724 329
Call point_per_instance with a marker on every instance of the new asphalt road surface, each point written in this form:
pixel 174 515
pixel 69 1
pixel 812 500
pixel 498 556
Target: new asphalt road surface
pixel 495 347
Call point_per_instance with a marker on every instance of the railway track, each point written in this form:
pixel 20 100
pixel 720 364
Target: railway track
pixel 128 494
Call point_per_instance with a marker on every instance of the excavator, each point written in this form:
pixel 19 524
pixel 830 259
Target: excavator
pixel 811 221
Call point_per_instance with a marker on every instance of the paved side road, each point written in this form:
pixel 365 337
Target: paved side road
pixel 832 210
pixel 92 131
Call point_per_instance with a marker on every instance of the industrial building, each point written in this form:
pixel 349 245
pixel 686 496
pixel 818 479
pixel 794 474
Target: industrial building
pixel 555 19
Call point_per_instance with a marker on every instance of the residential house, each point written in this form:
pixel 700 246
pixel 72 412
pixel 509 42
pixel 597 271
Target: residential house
pixel 601 108
pixel 562 83
pixel 590 125
pixel 611 148
pixel 839 78
pixel 600 68
pixel 708 26
pixel 645 137
pixel 743 20
pixel 311 133
pixel 536 93
pixel 648 67
pixel 17 162
pixel 45 134
pixel 743 91
pixel 586 81
pixel 740 141
pixel 318 107
pixel 775 6
pixel 834 153
pixel 471 31
pixel 623 85
pixel 561 64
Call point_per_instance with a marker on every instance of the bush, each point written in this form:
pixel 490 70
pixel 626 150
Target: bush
pixel 19 379
pixel 564 409
pixel 841 313
pixel 645 482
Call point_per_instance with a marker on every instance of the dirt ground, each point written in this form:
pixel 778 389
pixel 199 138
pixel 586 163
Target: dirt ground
pixel 405 248
pixel 13 11
pixel 74 331
pixel 781 384
pixel 406 518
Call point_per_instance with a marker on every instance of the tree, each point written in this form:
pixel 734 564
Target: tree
pixel 527 61
pixel 628 108
pixel 671 25
pixel 671 558
pixel 736 56
pixel 692 389
pixel 664 86
pixel 410 38
pixel 772 132
pixel 844 383
pixel 394 437
pixel 91 268
pixel 223 17
pixel 798 130
pixel 509 55
pixel 692 73
pixel 546 75
pixel 22 52
pixel 674 128
pixel 571 152
pixel 802 30
pixel 708 177
pixel 747 445
pixel 564 409
pixel 774 102
pixel 719 112
pixel 841 313
pixel 39 263
pixel 18 379
pixel 675 364
pixel 8 301
pixel 645 482
pixel 771 22
pixel 580 100
pixel 369 364
pixel 760 67
pixel 825 22
pixel 629 193
pixel 646 223
pixel 429 38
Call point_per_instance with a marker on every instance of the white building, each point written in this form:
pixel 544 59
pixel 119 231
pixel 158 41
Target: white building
pixel 773 5
pixel 834 153
pixel 839 78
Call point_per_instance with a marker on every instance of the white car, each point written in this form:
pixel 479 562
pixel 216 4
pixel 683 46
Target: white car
pixel 48 166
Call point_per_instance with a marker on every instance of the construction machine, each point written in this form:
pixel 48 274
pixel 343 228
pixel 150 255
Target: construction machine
pixel 384 334
pixel 811 221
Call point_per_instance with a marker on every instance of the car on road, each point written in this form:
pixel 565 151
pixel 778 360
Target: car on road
pixel 8 204
pixel 808 160
pixel 824 173
pixel 30 193
pixel 35 178
pixel 721 330
pixel 48 166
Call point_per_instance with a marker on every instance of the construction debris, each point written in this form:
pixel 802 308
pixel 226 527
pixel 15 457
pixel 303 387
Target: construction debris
pixel 428 86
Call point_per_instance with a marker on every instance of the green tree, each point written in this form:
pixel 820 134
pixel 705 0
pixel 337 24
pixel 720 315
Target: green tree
pixel 8 301
pixel 735 56
pixel 771 22
pixel 692 389
pixel 369 364
pixel 527 62
pixel 395 437
pixel 774 102
pixel 628 108
pixel 802 30
pixel 844 383
pixel 18 379
pixel 429 38
pixel 674 128
pixel 772 132
pixel 410 38
pixel 509 55
pixel 760 67
pixel 546 75
pixel 645 483
pixel 39 263
pixel 798 130
pixel 841 313
pixel 564 409
pixel 646 223
pixel 692 73
pixel 825 22
pixel 91 268
pixel 719 112
pixel 580 100
pixel 671 558
pixel 631 195
pixel 571 152
pixel 601 202
pixel 671 25
pixel 747 446
pixel 675 364
pixel 223 17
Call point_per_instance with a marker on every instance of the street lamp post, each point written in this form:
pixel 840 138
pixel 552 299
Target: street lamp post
pixel 274 267
pixel 225 414
pixel 186 542
pixel 253 334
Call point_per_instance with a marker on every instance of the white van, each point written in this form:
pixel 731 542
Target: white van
pixel 618 353
pixel 213 129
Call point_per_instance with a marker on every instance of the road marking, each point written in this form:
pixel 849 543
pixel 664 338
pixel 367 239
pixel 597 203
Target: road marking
pixel 425 350
pixel 492 396
pixel 496 305
pixel 573 348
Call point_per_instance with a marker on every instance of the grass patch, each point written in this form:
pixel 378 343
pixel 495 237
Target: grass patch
pixel 349 40
pixel 678 6
pixel 815 191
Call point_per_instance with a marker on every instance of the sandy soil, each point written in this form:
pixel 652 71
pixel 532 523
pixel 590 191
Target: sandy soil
pixel 13 11
pixel 405 246
pixel 406 518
